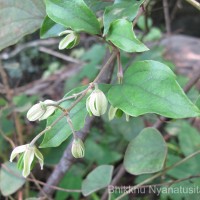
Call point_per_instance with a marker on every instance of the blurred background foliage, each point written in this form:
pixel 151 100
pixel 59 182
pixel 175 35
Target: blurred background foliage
pixel 107 140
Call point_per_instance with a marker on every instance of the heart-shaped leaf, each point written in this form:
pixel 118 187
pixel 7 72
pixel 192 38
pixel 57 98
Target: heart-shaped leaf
pixel 146 153
pixel 150 87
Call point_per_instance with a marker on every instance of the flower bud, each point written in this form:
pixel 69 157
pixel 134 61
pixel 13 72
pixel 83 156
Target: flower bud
pixel 41 110
pixel 78 149
pixel 111 113
pixel 127 117
pixel 97 103
pixel 28 157
pixel 69 41
pixel 116 112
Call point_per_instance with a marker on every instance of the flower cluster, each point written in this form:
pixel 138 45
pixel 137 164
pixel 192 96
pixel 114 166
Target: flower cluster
pixel 96 104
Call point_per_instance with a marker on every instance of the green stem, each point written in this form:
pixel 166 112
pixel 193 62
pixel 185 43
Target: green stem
pixel 158 174
pixel 71 126
pixel 82 95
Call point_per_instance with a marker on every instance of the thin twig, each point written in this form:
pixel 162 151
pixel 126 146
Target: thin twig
pixel 167 17
pixel 158 174
pixel 7 139
pixel 67 159
pixel 39 187
pixel 40 182
pixel 60 55
pixel 36 43
pixel 115 180
pixel 140 12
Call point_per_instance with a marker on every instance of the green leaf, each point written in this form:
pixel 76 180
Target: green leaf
pixel 73 14
pixel 186 169
pixel 97 5
pixel 69 182
pixel 99 153
pixel 125 9
pixel 50 28
pixel 19 18
pixel 189 138
pixel 10 179
pixel 146 153
pixel 141 23
pixel 121 35
pixel 150 87
pixel 99 178
pixel 198 102
pixel 188 189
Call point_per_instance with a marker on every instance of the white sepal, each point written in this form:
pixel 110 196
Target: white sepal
pixel 17 150
pixel 28 159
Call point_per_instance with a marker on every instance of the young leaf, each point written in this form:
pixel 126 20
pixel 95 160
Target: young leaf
pixel 19 19
pixel 50 28
pixel 99 178
pixel 121 35
pixel 11 179
pixel 150 87
pixel 125 9
pixel 73 14
pixel 146 153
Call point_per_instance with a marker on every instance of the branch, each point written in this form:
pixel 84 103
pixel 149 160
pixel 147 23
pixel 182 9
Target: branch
pixel 67 159
pixel 167 17
pixel 36 43
pixel 60 55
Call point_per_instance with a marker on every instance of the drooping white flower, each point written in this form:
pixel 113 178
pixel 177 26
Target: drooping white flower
pixel 28 157
pixel 78 149
pixel 97 103
pixel 41 110
pixel 70 40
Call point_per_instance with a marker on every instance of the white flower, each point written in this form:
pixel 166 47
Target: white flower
pixel 78 149
pixel 97 103
pixel 41 110
pixel 69 41
pixel 29 153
